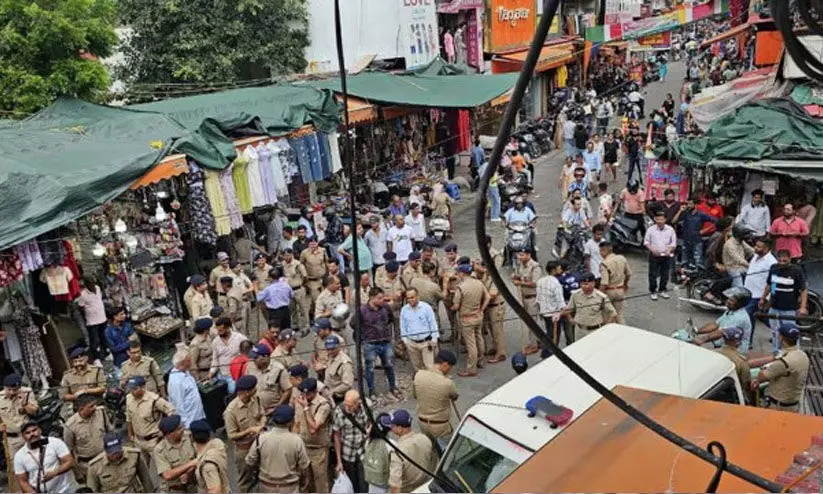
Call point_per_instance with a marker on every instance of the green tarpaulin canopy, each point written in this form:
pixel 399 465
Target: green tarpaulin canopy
pixel 437 85
pixel 214 119
pixel 68 160
pixel 772 128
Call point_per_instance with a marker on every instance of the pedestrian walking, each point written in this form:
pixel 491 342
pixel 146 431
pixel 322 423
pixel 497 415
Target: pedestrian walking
pixel 312 418
pixel 84 433
pixel 297 277
pixel 90 302
pixel 245 419
pixel 551 302
pixel 419 330
pixel 691 221
pixel 280 457
pixel 661 242
pixel 493 317
pixel 314 259
pixel 339 376
pixel 589 308
pixel 273 384
pixel 142 366
pixel 470 301
pixel 183 391
pixel 756 279
pixel 615 274
pixel 277 297
pixel 375 322
pixel 348 429
pixel 225 346
pixel 785 294
pixel 144 409
pixel 436 393
pixel 376 456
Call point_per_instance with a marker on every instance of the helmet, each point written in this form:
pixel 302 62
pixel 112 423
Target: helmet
pixel 740 295
pixel 633 185
pixel 341 312
pixel 519 363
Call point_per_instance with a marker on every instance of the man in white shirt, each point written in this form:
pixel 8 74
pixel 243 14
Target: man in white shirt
pixel 399 239
pixel 756 216
pixel 375 240
pixel 591 252
pixel 551 302
pixel 756 277
pixel 225 346
pixel 417 223
pixel 568 138
pixel 43 464
pixel 636 97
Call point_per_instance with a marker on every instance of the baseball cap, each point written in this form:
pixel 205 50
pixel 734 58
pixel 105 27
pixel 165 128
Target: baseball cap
pixel 285 335
pixel 450 248
pixel 464 260
pixel 464 268
pixel 77 352
pixel 169 424
pixel 297 370
pixel 197 279
pixel 401 417
pixel 262 350
pixel 789 330
pixel 203 324
pixel 216 312
pixel 200 426
pixel 137 381
pixel 12 381
pixel 283 414
pixel 308 385
pixel 246 383
pixel 322 323
pixel 414 256
pixel 226 279
pixel 113 443
pixel 587 277
pixel 259 256
pixel 222 256
pixel 332 342
pixel 392 267
pixel 446 356
pixel 389 256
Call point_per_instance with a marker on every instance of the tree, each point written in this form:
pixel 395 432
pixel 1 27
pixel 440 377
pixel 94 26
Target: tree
pixel 212 41
pixel 51 48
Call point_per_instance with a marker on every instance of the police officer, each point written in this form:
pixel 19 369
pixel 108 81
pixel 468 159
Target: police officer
pixel 81 378
pixel 280 456
pixel 428 290
pixel 233 301
pixel 244 419
pixel 200 348
pixel 470 301
pixel 313 415
pixel 786 375
pixel 273 384
pixel 84 432
pixel 320 358
pixel 314 259
pixel 174 456
pixel 380 272
pixel 589 307
pixel 144 409
pixel 428 255
pixel 298 276
pixel 732 336
pixel 143 366
pixel 119 468
pixel 17 404
pixel 284 351
pixel 393 288
pixel 403 476
pixel 211 464
pixel 449 284
pixel 615 274
pixel 413 269
pixel 526 273
pixel 340 370
pixel 329 298
pixel 435 393
pixel 200 303
pixel 260 273
pixel 493 316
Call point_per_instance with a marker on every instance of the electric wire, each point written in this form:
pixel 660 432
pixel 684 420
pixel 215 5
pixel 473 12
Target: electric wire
pixel 550 9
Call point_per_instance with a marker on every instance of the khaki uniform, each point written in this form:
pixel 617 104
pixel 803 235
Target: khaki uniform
pixel 11 417
pixel 84 438
pixel 430 292
pixel 787 376
pixel 380 275
pixel 529 272
pixel 339 375
pixel 326 302
pixel 614 273
pixel 212 471
pixel 236 306
pixel 298 276
pixel 410 272
pixel 146 368
pixel 201 305
pixel 434 260
pixel 317 444
pixel 167 456
pixel 434 393
pixel 130 474
pixel 219 272
pixel 281 355
pixel 272 383
pixel 402 473
pixel 283 461
pixel 200 351
pixel 315 264
pixel 493 318
pixel 441 203
pixel 261 275
pixel 73 381
pixel 144 417
pixel 187 297
pixel 470 298
pixel 396 289
pixel 741 366
pixel 321 355
pixel 238 417
pixel 590 311
pixel 450 281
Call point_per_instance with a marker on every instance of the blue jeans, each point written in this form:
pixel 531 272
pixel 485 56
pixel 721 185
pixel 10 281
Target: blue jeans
pixel 569 148
pixel 228 380
pixel 494 197
pixel 693 252
pixel 386 354
pixel 774 324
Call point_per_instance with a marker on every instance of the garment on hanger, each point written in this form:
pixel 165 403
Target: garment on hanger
pixel 202 220
pixel 258 197
pixel 266 173
pixel 74 281
pixel 276 157
pixel 303 160
pixel 334 151
pixel 220 212
pixel 29 253
pixel 463 130
pixel 325 154
pixel 230 196
pixel 241 184
pixel 51 249
pixel 11 267
pixel 15 316
pixel 57 279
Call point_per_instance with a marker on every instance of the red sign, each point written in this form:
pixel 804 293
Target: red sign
pixel 473 53
pixel 660 40
pixel 662 175
pixel 636 73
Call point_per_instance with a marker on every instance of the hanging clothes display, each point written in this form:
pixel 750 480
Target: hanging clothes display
pixel 220 212
pixel 325 154
pixel 463 130
pixel 266 173
pixel 562 76
pixel 279 168
pixel 15 316
pixel 229 194
pixel 57 279
pixel 51 250
pixel 241 184
pixel 74 282
pixel 301 151
pixel 11 267
pixel 258 197
pixel 202 219
pixel 334 150
pixel 29 253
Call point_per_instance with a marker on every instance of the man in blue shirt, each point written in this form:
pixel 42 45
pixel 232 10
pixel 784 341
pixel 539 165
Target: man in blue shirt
pixel 579 183
pixel 519 213
pixel 478 154
pixel 183 391
pixel 117 335
pixel 690 220
pixel 277 297
pixel 592 160
pixel 418 329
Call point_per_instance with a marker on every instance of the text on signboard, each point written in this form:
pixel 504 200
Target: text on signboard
pixel 512 15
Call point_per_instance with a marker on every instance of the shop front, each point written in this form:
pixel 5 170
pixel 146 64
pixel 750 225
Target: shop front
pixel 461 32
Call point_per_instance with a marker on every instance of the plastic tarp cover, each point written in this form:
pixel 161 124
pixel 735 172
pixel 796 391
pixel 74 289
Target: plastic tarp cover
pixel 437 85
pixel 214 119
pixel 774 128
pixel 71 158
pixel 717 101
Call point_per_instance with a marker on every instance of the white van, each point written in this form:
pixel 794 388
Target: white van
pixel 496 434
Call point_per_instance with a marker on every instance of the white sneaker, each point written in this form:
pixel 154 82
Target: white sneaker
pixel 665 295
pixel 654 296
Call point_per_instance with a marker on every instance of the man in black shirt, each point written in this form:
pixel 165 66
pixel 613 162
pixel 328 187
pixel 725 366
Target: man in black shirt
pixel 610 148
pixel 668 205
pixel 301 243
pixel 785 293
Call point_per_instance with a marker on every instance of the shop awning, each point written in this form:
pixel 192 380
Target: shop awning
pixel 802 170
pixel 726 35
pixel 550 57
pixel 438 85
pixel 171 166
pixel 360 110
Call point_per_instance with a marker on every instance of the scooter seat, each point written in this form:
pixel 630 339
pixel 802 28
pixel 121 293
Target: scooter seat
pixel 629 223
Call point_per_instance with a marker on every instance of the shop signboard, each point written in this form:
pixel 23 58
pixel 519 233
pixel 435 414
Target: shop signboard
pixel 618 11
pixel 666 174
pixel 636 72
pixel 659 40
pixel 511 24
pixel 474 38
pixel 418 31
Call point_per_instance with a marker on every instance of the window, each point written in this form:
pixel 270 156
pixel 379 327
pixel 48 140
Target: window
pixel 480 458
pixel 725 391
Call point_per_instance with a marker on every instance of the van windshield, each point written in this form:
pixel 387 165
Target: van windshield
pixel 480 458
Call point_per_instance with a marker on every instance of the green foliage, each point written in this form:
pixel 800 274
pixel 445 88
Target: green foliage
pixel 41 42
pixel 212 41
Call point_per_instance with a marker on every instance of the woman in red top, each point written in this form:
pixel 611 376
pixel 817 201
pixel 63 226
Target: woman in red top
pixel 238 364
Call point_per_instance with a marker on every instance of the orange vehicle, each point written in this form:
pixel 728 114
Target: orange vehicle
pixel 606 451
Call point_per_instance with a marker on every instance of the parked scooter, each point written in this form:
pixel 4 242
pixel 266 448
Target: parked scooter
pixel 624 232
pixel 439 228
pixel 570 245
pixel 518 236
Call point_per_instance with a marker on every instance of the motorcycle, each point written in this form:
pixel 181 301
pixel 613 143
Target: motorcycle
pixel 49 416
pixel 439 228
pixel 114 400
pixel 569 245
pixel 518 236
pixel 511 187
pixel 623 232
